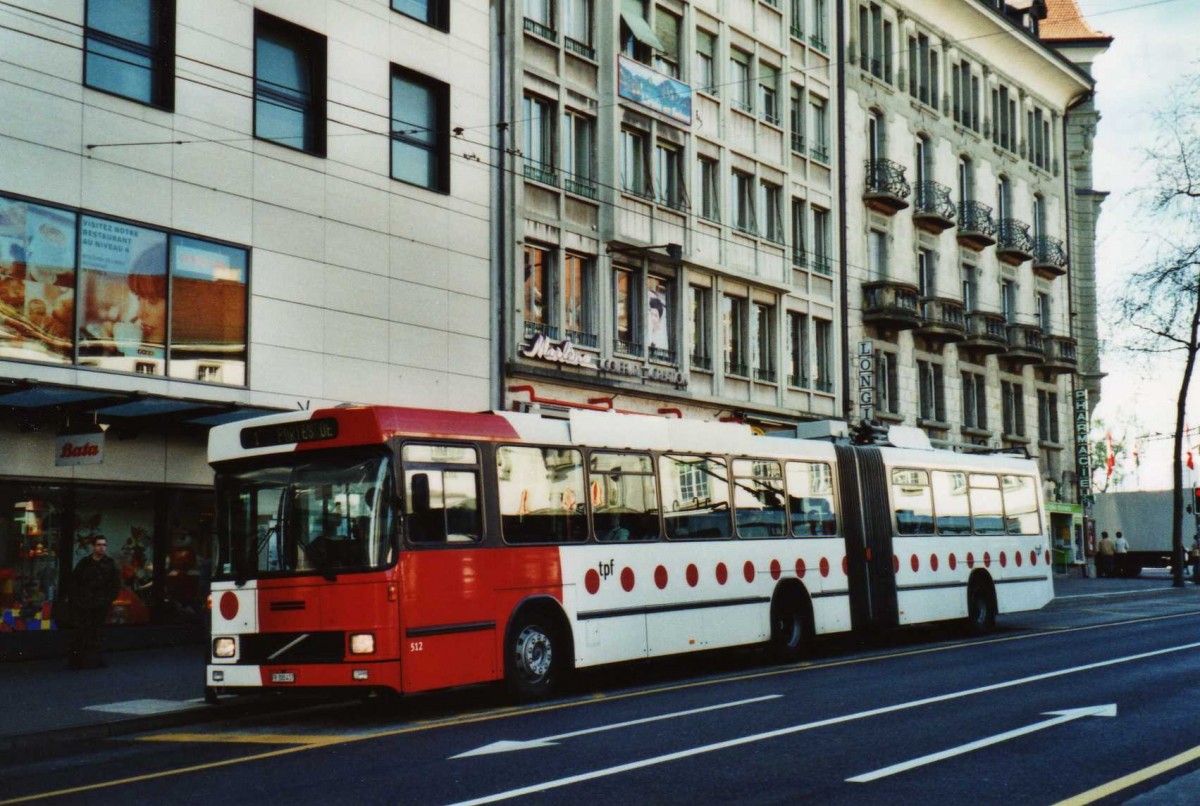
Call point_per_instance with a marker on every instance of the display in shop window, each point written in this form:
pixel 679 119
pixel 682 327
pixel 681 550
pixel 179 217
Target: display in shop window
pixel 37 281
pixel 133 554
pixel 29 566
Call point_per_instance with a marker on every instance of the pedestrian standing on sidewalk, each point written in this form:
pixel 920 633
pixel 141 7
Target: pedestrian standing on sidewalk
pixel 1121 547
pixel 95 582
pixel 1104 553
pixel 1194 556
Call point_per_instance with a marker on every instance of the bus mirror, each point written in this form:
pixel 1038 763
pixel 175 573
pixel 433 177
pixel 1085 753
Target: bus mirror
pixel 420 492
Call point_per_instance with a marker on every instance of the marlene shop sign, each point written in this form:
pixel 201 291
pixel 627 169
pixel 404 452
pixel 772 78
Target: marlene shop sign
pixel 562 351
pixel 79 449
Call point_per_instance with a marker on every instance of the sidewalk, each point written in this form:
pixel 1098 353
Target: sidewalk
pixel 46 704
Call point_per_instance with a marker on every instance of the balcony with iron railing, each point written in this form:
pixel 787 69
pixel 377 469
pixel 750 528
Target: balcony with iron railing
pixel 1014 244
pixel 764 375
pixel 986 332
pixel 626 347
pixel 890 304
pixel 933 210
pixel 798 142
pixel 543 172
pixel 886 189
pixel 1049 257
pixel 976 227
pixel 580 186
pixel 737 369
pixel 797 381
pixel 662 355
pixel 579 48
pixel 581 339
pixel 534 328
pixel 1060 357
pixel 539 29
pixel 1025 344
pixel 701 362
pixel 942 319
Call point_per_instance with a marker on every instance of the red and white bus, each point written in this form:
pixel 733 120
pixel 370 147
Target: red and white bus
pixel 410 549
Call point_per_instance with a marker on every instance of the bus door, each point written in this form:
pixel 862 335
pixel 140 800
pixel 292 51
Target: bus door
pixel 447 618
pixel 862 482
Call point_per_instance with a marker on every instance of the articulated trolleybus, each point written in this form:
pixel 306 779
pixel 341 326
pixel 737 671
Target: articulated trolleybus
pixel 408 549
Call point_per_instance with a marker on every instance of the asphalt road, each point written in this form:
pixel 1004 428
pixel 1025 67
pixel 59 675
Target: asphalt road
pixel 1076 703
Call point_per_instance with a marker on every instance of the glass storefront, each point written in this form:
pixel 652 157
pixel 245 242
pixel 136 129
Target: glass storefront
pixel 160 538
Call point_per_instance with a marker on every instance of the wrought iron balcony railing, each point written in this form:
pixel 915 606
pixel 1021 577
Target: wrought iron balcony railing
pixel 580 186
pixel 798 381
pixel 626 347
pixel 737 368
pixel 1049 257
pixel 661 355
pixel 582 339
pixel 533 328
pixel 765 375
pixel 1014 244
pixel 541 172
pixel 703 362
pixel 976 227
pixel 544 31
pixel 886 189
pixel 890 304
pixel 934 209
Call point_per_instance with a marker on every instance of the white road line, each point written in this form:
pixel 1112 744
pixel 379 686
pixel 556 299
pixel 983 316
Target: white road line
pixel 774 734
pixel 505 745
pixel 1059 718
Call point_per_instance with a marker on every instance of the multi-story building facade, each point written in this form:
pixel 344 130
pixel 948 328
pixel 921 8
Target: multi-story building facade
pixel 671 222
pixel 958 216
pixel 207 210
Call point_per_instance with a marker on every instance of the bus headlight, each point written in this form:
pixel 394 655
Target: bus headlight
pixel 224 647
pixel 362 643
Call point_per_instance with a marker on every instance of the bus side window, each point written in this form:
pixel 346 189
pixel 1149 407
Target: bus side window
pixel 425 524
pixel 442 486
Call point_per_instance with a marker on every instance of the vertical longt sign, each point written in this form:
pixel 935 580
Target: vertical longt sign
pixel 865 364
pixel 1083 455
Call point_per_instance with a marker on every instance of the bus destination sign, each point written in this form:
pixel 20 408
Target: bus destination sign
pixel 265 436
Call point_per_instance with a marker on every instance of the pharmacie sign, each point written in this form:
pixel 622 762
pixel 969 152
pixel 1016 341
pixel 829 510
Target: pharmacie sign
pixel 79 449
pixel 1083 458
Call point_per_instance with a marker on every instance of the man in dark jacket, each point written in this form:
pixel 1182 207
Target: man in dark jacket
pixel 95 582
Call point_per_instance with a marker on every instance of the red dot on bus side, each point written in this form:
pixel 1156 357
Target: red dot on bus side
pixel 1018 558
pixel 591 580
pixel 800 567
pixel 660 577
pixel 933 562
pixel 627 579
pixel 229 605
pixel 915 563
pixel 1047 556
pixel 824 567
pixel 693 575
pixel 722 573
pixel 1003 559
pixel 987 559
pixel 970 560
pixel 776 569
pixel 953 562
pixel 846 566
pixel 1033 557
pixel 748 571
pixel 896 563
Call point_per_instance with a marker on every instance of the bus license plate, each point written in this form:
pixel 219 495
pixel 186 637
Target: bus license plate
pixel 283 677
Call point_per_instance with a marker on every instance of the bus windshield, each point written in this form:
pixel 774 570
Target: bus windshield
pixel 316 515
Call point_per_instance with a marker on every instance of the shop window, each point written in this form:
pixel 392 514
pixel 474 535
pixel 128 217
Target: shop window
pixel 37 281
pixel 126 519
pixel 188 564
pixel 208 311
pixel 30 568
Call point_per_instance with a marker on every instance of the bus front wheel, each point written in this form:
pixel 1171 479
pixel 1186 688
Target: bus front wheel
pixel 789 626
pixel 534 658
pixel 981 608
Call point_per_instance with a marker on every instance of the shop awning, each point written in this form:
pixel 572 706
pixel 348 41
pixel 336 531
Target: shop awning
pixel 631 13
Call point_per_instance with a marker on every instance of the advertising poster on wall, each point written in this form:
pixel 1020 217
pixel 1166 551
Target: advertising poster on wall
pixel 653 90
pixel 658 320
pixel 208 311
pixel 37 281
pixel 124 289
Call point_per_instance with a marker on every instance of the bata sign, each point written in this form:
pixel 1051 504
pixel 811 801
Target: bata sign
pixel 79 449
pixel 560 352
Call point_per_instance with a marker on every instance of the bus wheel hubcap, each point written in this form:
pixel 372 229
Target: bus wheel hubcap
pixel 534 652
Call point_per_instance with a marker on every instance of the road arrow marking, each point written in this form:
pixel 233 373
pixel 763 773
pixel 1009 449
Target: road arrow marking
pixel 505 745
pixel 1059 718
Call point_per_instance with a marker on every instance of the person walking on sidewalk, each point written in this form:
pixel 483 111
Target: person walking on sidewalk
pixel 1121 547
pixel 1105 552
pixel 95 582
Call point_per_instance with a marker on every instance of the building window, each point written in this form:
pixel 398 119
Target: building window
pixel 208 295
pixel 733 316
pixel 1043 312
pixel 625 312
pixel 796 113
pixel 130 49
pixel 638 40
pixel 872 48
pixel 539 19
pixel 797 18
pixel 1038 137
pixel 974 400
pixel 799 248
pixel 968 287
pixel 965 102
pixel 741 202
pixel 797 350
pixel 538 307
pixel 768 93
pixel 705 79
pixel 819 37
pixel 822 253
pixel 289 85
pixel 887 382
pixel 435 13
pixel 700 327
pixel 1008 301
pixel 1047 415
pixel 668 174
pixel 579 299
pixel 420 130
pixel 739 79
pixel 762 331
pixel 823 355
pixel 923 70
pixel 772 211
pixel 539 140
pixel 926 273
pixel 1004 118
pixel 820 129
pixel 931 388
pixel 877 254
pixel 579 154
pixel 659 309
pixel 710 192
pixel 578 37
pixel 1013 406
pixel 667 27
pixel 633 162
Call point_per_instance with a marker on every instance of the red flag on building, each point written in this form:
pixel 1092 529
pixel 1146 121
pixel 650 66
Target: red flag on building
pixel 1191 464
pixel 1110 458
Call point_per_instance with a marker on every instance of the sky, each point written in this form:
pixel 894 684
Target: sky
pixel 1154 43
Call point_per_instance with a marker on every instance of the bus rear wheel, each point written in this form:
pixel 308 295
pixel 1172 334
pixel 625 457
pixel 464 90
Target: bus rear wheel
pixel 981 609
pixel 534 658
pixel 789 627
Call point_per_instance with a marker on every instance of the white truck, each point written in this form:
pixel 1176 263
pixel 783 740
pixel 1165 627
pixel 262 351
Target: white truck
pixel 1145 519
